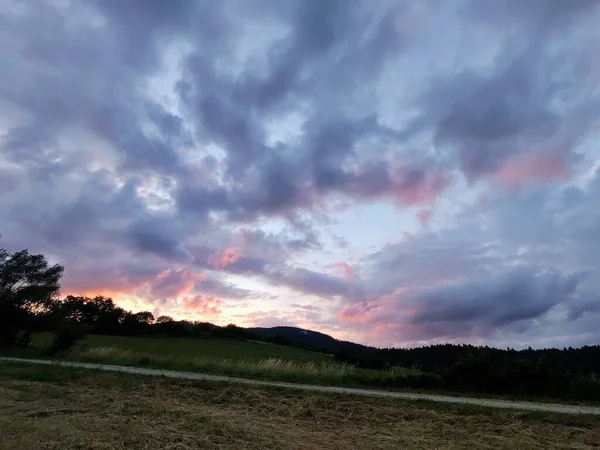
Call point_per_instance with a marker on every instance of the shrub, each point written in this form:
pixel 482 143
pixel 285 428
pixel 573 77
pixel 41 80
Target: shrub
pixel 67 334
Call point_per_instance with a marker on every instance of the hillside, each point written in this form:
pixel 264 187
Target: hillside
pixel 307 338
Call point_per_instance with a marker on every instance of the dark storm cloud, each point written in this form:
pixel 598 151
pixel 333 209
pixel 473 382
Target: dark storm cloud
pixel 511 301
pixel 519 294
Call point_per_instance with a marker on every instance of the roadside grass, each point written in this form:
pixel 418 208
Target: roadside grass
pixel 275 369
pixel 63 408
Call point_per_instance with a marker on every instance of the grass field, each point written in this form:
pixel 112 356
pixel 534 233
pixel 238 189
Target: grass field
pixel 234 358
pixel 255 360
pixel 194 348
pixel 59 408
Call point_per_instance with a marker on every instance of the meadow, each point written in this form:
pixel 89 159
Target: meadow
pixel 62 408
pixel 234 358
pixel 192 348
pixel 262 361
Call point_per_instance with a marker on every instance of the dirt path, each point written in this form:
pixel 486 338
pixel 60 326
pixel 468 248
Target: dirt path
pixel 544 407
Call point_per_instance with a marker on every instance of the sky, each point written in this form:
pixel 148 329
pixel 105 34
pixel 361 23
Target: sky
pixel 395 173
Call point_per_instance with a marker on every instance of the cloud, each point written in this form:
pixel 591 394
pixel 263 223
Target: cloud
pixel 531 167
pixel 519 294
pixel 359 312
pixel 423 216
pixel 221 288
pixel 224 258
pixel 347 271
pixel 311 282
pixel 306 307
pixel 523 275
pixel 469 309
pixel 207 307
pixel 215 151
pixel 175 283
pixel 154 237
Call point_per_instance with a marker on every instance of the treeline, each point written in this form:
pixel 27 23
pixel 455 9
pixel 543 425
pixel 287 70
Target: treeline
pixel 570 373
pixel 29 303
pixel 100 315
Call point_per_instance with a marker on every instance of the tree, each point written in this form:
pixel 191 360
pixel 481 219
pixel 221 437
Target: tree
pixel 28 285
pixel 145 317
pixel 138 323
pixel 100 313
pixel 164 319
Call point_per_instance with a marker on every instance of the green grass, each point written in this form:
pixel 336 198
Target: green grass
pixel 233 358
pixel 275 369
pixel 257 361
pixel 194 348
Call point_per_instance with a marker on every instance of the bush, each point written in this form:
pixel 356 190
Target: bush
pixel 67 334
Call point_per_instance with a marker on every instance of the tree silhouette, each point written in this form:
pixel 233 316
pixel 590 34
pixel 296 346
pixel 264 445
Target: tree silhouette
pixel 138 323
pixel 100 313
pixel 27 287
pixel 164 319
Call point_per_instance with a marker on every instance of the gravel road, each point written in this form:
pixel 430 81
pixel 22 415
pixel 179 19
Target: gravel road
pixel 529 406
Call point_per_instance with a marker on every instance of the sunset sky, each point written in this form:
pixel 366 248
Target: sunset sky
pixel 395 173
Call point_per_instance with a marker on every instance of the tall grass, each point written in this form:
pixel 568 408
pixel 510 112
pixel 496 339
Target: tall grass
pixel 324 372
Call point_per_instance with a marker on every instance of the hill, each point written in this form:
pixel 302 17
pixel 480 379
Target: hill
pixel 313 340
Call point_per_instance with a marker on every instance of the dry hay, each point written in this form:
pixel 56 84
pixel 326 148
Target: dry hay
pixel 109 411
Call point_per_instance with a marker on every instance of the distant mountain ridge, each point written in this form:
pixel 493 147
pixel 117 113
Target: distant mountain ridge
pixel 307 338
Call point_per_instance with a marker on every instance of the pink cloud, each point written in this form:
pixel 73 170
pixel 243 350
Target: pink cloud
pixel 407 184
pixel 386 309
pixel 175 283
pixel 361 313
pixel 223 258
pixel 208 306
pixel 531 167
pixel 346 270
pixel 418 187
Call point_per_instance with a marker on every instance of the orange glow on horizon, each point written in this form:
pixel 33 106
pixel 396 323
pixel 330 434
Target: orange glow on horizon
pixel 107 292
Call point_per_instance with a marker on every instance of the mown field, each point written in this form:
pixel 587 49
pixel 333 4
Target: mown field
pixel 60 408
